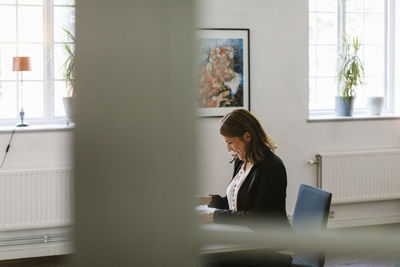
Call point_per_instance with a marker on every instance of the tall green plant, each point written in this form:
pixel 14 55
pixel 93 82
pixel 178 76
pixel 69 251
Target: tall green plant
pixel 69 64
pixel 350 68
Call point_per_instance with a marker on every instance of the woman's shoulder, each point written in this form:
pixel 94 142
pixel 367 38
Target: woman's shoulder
pixel 272 167
pixel 269 160
pixel 270 156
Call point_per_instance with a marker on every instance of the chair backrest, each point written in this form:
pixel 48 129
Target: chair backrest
pixel 311 214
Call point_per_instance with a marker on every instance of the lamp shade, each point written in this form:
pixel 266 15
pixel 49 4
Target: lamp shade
pixel 21 63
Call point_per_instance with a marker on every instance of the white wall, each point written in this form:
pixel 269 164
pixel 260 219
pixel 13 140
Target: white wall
pixel 37 149
pixel 279 98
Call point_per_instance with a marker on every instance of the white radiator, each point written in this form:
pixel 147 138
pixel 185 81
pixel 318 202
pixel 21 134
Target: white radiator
pixel 360 176
pixel 35 198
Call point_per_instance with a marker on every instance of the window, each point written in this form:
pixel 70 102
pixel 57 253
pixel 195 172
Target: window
pixel 373 22
pixel 34 28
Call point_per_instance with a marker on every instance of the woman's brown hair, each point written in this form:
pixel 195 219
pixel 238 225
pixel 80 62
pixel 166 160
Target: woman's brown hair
pixel 239 121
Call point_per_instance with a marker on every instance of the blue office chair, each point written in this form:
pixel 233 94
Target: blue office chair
pixel 310 214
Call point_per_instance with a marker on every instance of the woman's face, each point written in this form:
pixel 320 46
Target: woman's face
pixel 238 145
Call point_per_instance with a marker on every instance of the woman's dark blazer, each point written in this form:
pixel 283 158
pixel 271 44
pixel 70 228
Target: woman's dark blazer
pixel 261 196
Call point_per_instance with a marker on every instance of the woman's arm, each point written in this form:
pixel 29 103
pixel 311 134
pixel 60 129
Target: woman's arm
pixel 218 202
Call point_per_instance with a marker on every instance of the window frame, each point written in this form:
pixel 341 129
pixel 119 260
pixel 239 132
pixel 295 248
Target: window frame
pixel 48 79
pixel 389 81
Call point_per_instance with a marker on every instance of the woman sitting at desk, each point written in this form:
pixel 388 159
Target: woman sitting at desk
pixel 258 187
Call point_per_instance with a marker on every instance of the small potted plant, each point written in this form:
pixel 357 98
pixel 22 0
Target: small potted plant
pixel 69 76
pixel 350 76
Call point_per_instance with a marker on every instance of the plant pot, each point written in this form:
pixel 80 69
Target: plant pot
pixel 70 108
pixel 344 106
pixel 375 105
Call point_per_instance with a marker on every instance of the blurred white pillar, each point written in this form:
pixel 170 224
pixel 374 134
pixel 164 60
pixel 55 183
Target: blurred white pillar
pixel 397 56
pixel 134 149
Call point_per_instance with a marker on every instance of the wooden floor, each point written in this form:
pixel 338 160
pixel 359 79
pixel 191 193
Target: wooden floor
pixel 364 261
pixel 64 261
pixel 54 261
pixel 361 263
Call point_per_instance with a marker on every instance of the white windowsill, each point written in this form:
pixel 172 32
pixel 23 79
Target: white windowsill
pixel 355 117
pixel 37 128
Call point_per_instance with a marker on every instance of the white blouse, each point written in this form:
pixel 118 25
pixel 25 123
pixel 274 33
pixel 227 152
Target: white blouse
pixel 234 186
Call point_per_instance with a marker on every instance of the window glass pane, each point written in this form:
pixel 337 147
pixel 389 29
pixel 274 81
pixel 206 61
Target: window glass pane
pixel 33 99
pixel 327 5
pixel 374 29
pixel 7 52
pixel 8 100
pixel 326 28
pixel 59 59
pixel 373 87
pixel 8 24
pixel 374 5
pixel 36 54
pixel 326 92
pixel 64 18
pixel 60 91
pixel 374 61
pixel 326 61
pixel 311 28
pixel 312 94
pixel 312 5
pixel 30 24
pixel 64 2
pixel 311 52
pixel 354 25
pixel 360 101
pixel 30 2
pixel 355 5
pixel 7 2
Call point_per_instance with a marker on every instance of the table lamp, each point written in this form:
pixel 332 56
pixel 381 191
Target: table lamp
pixel 21 64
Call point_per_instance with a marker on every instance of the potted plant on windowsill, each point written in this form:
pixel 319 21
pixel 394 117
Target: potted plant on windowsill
pixel 69 76
pixel 350 76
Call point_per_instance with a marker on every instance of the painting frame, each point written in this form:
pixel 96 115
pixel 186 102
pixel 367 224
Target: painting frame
pixel 237 41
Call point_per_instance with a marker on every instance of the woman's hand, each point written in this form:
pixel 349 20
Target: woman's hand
pixel 203 200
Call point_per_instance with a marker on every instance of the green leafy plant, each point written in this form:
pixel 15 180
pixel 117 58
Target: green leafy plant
pixel 350 68
pixel 69 64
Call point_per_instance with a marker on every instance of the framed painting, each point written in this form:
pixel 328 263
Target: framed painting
pixel 223 71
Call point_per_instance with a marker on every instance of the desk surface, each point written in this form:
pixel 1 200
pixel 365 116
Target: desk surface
pixel 222 248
